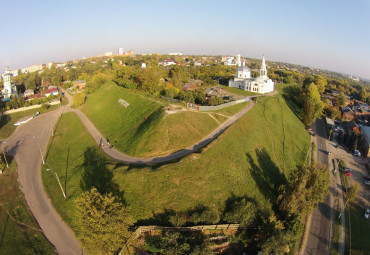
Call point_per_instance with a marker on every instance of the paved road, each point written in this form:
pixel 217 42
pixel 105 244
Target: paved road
pixel 319 237
pixel 25 145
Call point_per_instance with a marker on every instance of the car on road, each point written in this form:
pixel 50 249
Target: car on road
pixel 367 178
pixel 357 153
pixel 367 182
pixel 327 152
pixel 367 213
pixel 36 114
pixel 348 173
pixel 347 169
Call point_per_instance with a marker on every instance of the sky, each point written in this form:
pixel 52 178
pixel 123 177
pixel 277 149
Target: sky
pixel 332 35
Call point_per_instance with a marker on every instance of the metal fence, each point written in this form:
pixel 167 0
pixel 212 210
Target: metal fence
pixel 221 106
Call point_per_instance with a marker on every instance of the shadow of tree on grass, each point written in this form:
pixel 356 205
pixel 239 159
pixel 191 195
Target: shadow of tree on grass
pixel 95 173
pixel 266 174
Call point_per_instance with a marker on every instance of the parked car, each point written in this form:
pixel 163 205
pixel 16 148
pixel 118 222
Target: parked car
pixel 367 178
pixel 357 153
pixel 348 173
pixel 328 152
pixel 367 213
pixel 367 182
pixel 37 114
pixel 347 169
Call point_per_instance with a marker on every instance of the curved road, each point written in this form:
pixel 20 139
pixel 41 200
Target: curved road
pixel 28 145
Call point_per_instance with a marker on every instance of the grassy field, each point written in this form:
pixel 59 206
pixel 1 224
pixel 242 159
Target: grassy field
pixel 143 128
pixel 7 122
pixel 252 158
pixel 357 231
pixel 17 238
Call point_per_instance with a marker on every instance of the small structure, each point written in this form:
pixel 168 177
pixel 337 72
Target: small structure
pixel 166 62
pixel 365 131
pixel 79 84
pixel 50 92
pixel 28 92
pixel 143 66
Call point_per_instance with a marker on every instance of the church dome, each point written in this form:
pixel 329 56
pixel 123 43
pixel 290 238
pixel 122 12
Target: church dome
pixel 244 68
pixel 259 79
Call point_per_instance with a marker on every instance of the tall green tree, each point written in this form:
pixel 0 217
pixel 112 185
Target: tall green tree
pixel 321 83
pixel 102 222
pixel 306 190
pixel 364 94
pixel 313 106
pixel 342 99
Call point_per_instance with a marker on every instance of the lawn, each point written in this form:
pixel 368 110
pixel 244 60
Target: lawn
pixel 239 91
pixel 17 238
pixel 7 121
pixel 252 158
pixel 143 128
pixel 357 230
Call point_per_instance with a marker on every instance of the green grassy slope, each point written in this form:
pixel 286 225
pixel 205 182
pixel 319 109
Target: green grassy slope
pixel 252 158
pixel 17 238
pixel 143 128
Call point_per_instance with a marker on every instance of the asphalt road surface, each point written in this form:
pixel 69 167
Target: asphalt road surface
pixel 319 237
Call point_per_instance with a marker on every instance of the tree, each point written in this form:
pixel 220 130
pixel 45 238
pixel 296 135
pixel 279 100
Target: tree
pixel 341 100
pixel 305 191
pixel 313 106
pixel 352 193
pixel 79 99
pixel 243 212
pixel 364 94
pixel 321 83
pixel 102 222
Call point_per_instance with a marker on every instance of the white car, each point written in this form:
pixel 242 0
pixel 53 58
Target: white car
pixel 367 182
pixel 367 213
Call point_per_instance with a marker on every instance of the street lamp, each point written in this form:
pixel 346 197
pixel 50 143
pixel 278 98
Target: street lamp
pixel 43 162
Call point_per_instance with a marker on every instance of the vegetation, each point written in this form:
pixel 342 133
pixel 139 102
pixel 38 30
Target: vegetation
pixel 20 232
pixel 102 222
pixel 79 99
pixel 201 187
pixel 313 106
pixel 142 128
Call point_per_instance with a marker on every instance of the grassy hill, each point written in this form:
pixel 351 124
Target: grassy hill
pixel 143 128
pixel 252 158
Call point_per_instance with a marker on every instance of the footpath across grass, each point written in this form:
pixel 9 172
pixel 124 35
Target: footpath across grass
pixel 143 128
pixel 7 121
pixel 20 233
pixel 252 158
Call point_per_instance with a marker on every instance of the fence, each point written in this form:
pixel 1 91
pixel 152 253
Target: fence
pixel 206 108
pixel 30 107
pixel 144 229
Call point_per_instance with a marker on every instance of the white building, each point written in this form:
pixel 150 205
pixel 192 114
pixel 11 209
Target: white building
pixel 31 69
pixel 143 66
pixel 9 86
pixel 175 54
pixel 243 80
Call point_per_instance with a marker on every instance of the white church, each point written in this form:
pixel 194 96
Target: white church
pixel 9 86
pixel 243 79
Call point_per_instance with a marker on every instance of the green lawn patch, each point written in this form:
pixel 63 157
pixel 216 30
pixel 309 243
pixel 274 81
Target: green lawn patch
pixel 7 121
pixel 251 158
pixel 231 110
pixel 238 91
pixel 16 238
pixel 357 230
pixel 142 128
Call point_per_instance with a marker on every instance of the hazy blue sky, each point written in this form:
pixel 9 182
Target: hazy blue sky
pixel 333 35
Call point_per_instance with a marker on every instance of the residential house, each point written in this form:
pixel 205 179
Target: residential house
pixel 50 92
pixel 28 92
pixel 79 84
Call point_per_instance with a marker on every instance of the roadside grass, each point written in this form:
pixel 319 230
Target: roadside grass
pixel 238 91
pixel 143 129
pixel 15 237
pixel 336 237
pixel 357 230
pixel 252 158
pixel 7 121
pixel 231 110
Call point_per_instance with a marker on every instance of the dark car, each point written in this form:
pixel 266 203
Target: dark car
pixel 367 178
pixel 328 152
